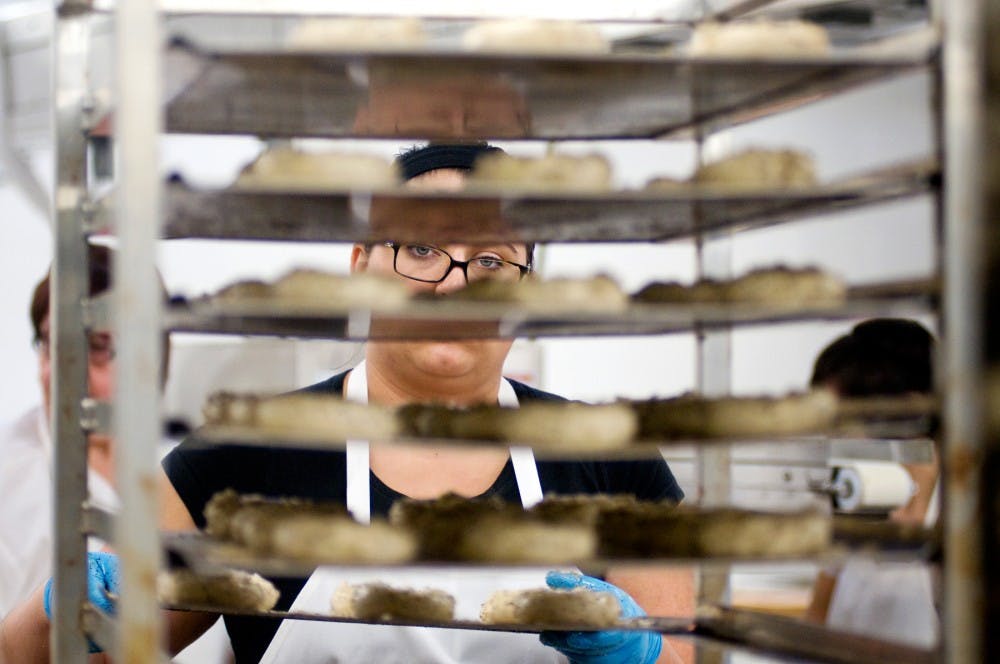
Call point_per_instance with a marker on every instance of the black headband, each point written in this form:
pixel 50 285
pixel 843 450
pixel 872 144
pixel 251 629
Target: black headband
pixel 432 157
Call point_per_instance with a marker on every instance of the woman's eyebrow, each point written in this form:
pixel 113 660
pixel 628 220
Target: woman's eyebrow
pixel 510 246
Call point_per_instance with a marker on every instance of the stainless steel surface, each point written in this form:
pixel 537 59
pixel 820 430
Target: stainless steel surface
pixel 714 379
pixel 102 628
pixel 403 95
pixel 69 349
pixel 714 375
pixel 453 319
pixel 631 215
pixel 98 523
pixel 798 640
pixel 686 9
pixel 137 298
pixel 95 416
pixel 967 149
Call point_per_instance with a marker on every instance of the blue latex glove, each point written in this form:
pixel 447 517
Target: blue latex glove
pixel 602 647
pixel 102 584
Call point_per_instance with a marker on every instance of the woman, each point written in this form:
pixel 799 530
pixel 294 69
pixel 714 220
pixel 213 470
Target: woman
pixel 369 480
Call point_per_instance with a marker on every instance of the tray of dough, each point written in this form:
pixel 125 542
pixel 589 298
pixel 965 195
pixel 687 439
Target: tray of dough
pixel 664 625
pixel 602 216
pixel 453 318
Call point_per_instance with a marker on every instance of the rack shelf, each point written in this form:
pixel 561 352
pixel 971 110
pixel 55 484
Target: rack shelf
pixel 662 625
pixel 899 420
pixel 400 94
pixel 455 319
pixel 643 215
pixel 756 631
pixel 278 92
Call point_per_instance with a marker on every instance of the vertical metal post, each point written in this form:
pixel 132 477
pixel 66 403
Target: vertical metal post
pixel 714 462
pixel 70 55
pixel 137 301
pixel 714 377
pixel 964 449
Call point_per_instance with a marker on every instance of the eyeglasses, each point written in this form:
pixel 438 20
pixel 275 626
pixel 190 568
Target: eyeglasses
pixel 100 347
pixel 430 264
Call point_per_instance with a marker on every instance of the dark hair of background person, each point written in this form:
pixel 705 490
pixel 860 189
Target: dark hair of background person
pixel 99 281
pixel 420 159
pixel 99 262
pixel 880 357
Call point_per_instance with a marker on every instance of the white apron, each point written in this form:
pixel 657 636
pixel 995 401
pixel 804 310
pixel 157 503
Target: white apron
pixel 888 600
pixel 309 642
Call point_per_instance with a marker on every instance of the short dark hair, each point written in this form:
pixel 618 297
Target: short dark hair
pixel 419 159
pixel 880 357
pixel 99 271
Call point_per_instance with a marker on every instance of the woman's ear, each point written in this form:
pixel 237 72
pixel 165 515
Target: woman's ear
pixel 359 258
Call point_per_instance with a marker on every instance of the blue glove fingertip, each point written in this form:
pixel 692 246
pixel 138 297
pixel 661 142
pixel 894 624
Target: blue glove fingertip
pixel 47 599
pixel 103 573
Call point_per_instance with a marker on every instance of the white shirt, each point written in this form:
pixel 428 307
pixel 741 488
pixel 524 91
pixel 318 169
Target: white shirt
pixel 25 518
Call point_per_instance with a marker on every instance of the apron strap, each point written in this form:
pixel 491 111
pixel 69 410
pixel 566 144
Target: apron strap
pixel 359 501
pixel 359 467
pixel 522 458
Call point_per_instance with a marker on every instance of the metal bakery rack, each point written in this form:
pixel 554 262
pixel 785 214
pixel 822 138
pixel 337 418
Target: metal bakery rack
pixel 264 87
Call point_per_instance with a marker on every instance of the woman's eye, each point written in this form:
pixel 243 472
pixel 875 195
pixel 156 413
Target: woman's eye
pixel 488 262
pixel 420 251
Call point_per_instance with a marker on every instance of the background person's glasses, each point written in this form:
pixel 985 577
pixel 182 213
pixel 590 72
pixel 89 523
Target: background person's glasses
pixel 430 264
pixel 100 347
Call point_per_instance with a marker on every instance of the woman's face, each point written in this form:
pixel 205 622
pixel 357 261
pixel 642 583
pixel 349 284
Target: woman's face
pixel 445 358
pixel 100 365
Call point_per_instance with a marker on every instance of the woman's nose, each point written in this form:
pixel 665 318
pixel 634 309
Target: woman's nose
pixel 453 281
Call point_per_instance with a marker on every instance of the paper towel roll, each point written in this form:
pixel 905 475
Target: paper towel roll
pixel 870 485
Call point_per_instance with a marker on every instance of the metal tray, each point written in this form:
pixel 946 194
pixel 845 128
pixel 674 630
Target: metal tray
pixel 453 319
pixel 623 215
pixel 428 94
pixel 775 635
pixel 797 640
pixel 643 624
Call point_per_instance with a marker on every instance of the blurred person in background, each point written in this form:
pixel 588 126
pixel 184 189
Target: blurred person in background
pixel 26 474
pixel 883 357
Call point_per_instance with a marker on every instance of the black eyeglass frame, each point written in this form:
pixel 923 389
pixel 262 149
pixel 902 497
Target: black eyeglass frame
pixel 464 265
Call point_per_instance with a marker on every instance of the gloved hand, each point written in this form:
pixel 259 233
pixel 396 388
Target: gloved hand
pixel 602 647
pixel 102 585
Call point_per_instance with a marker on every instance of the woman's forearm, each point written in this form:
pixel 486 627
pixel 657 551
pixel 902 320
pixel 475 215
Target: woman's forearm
pixel 24 633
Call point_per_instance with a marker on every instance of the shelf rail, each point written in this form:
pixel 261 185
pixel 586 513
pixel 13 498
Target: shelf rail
pixel 70 74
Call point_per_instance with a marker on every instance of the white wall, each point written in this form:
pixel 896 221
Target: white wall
pixel 27 251
pixel 27 244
